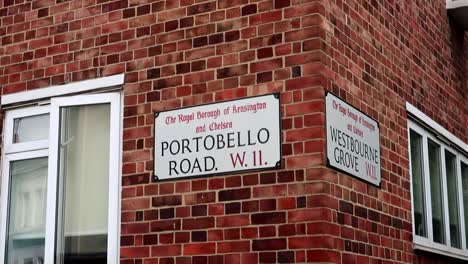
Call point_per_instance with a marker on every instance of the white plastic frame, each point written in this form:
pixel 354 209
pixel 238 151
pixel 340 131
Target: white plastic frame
pixel 10 117
pixel 49 148
pixel 60 90
pixel 114 167
pixel 5 191
pixel 427 244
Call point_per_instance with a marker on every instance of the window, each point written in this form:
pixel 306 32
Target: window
pixel 439 180
pixel 60 181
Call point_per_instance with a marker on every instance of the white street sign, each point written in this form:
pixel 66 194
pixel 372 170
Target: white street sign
pixel 217 138
pixel 352 140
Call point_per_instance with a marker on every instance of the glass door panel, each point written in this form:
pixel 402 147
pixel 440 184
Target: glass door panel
pixel 31 128
pixel 83 184
pixel 453 204
pixel 27 211
pixel 438 221
pixel 419 212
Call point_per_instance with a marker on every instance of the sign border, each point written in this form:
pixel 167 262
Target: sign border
pixel 279 164
pixel 326 145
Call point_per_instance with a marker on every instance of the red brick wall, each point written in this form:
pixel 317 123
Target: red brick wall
pixel 383 54
pixel 374 54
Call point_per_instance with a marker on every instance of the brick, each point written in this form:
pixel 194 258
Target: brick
pixel 139 203
pixel 153 73
pixel 267 257
pixel 234 246
pixel 198 223
pixel 305 108
pixel 311 242
pixel 249 9
pixel 136 228
pixel 201 8
pixel 200 41
pixel 346 207
pixel 232 35
pixel 151 215
pixel 135 179
pixel 286 257
pixel 234 181
pixel 171 25
pixel 199 248
pixel 166 250
pixel 264 53
pixel 231 47
pixel 282 3
pixel 135 252
pixel 268 218
pixel 165 225
pixel 266 178
pixel 232 71
pixel 199 236
pixel 199 53
pixel 268 205
pixel 269 191
pixel 232 221
pixel 265 65
pixel 323 255
pixel 250 206
pixel 231 3
pixel 314 214
pixel 308 8
pixel 166 213
pixel 304 82
pixel 269 244
pixel 238 194
pixel 232 208
pixel 216 38
pixel 150 239
pixel 265 17
pixel 199 210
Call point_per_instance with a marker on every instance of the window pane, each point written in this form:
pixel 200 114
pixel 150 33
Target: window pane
pixel 464 171
pixel 31 128
pixel 83 184
pixel 26 218
pixel 419 213
pixel 436 193
pixel 452 190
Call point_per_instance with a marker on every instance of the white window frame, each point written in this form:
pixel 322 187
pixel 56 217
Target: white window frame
pixel 10 117
pixel 445 140
pixel 43 153
pixel 50 148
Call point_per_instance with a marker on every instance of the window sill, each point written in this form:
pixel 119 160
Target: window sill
pixel 462 255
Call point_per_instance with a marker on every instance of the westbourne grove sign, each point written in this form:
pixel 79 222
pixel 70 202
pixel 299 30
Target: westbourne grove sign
pixel 352 140
pixel 217 138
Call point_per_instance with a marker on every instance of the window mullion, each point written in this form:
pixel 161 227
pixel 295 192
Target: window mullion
pixel 427 190
pixel 52 186
pixel 461 203
pixel 4 209
pixel 413 220
pixel 445 196
pixel 113 231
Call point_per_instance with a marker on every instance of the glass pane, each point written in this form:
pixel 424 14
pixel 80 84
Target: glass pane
pixel 452 190
pixel 464 172
pixel 83 184
pixel 436 193
pixel 27 211
pixel 419 213
pixel 31 128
